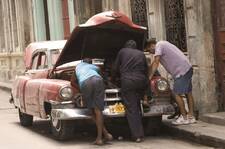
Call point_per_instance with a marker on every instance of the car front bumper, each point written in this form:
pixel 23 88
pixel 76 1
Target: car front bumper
pixel 73 114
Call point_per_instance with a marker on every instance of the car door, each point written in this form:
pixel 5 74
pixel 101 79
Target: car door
pixel 38 72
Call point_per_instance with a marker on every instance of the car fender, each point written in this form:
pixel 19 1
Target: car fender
pixel 18 90
pixel 41 91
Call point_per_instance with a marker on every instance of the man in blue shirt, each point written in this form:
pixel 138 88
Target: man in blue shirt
pixel 92 88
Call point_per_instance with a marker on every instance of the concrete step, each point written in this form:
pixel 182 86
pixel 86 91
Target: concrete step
pixel 201 132
pixel 214 118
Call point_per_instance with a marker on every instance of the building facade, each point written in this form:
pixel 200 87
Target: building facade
pixel 26 21
pixel 197 27
pixel 16 32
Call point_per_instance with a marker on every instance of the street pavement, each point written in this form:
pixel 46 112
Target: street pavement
pixel 14 136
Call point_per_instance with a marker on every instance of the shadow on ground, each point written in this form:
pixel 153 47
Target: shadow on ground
pixel 84 132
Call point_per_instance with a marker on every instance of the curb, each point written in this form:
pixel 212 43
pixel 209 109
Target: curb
pixel 6 88
pixel 195 136
pixel 214 118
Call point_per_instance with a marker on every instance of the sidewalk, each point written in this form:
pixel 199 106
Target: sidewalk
pixel 201 132
pixel 6 86
pixel 211 132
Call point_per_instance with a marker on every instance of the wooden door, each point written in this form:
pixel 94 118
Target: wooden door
pixel 219 29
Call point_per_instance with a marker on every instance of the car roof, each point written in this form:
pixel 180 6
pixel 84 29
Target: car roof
pixel 48 45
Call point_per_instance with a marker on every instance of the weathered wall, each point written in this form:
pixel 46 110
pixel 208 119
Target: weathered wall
pixel 10 66
pixel 17 33
pixel 201 53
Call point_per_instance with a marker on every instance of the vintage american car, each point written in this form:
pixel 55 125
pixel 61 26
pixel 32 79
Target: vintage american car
pixel 45 89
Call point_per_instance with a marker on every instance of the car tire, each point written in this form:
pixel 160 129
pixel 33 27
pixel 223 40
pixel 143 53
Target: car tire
pixel 153 125
pixel 25 119
pixel 62 129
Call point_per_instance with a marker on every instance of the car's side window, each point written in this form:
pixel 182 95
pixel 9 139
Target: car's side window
pixel 42 61
pixel 35 61
pixel 39 61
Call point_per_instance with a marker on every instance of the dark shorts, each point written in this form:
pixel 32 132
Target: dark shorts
pixel 93 92
pixel 183 84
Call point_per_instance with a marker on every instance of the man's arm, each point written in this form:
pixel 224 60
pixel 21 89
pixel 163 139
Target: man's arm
pixel 154 66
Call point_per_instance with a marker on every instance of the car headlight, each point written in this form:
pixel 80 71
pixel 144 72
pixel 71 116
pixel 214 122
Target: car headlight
pixel 162 85
pixel 66 92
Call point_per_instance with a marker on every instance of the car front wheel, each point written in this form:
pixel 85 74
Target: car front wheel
pixel 62 129
pixel 25 119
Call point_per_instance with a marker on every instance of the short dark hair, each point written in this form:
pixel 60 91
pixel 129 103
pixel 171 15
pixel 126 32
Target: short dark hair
pixel 87 60
pixel 150 42
pixel 130 44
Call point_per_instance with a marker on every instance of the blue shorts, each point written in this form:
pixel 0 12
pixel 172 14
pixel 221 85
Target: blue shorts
pixel 183 84
pixel 93 92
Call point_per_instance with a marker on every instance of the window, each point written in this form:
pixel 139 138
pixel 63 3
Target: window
pixel 39 61
pixel 175 23
pixel 55 16
pixel 43 61
pixel 40 20
pixel 139 12
pixel 2 36
pixel 84 9
pixel 35 61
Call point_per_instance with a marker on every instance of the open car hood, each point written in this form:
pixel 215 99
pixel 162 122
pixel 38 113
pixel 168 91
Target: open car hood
pixel 102 36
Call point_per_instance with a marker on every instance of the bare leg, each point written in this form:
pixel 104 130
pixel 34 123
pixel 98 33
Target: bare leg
pixel 190 100
pixel 106 134
pixel 181 105
pixel 99 124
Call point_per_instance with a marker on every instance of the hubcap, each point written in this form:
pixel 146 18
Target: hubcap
pixel 56 123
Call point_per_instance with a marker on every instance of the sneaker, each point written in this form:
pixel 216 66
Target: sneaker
pixel 191 119
pixel 181 121
pixel 174 116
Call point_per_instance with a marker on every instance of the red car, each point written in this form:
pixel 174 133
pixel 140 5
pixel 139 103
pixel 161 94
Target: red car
pixel 45 90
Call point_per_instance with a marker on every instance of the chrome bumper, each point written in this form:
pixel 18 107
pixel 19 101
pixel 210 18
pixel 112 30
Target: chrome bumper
pixel 70 114
pixel 73 114
pixel 159 109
